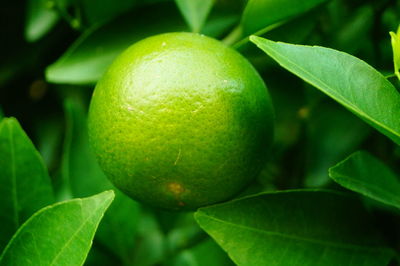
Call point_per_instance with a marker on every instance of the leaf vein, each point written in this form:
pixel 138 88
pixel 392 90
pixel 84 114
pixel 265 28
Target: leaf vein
pixel 75 234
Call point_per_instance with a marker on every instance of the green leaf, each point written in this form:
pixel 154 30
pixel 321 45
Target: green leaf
pixel 1 114
pixel 86 178
pixel 347 79
pixel 195 12
pixel 24 182
pixel 40 19
pixel 295 228
pixel 365 174
pixel 59 234
pixel 260 14
pixel 87 59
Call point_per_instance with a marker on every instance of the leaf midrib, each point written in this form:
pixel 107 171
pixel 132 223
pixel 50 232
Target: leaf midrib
pixel 74 234
pixel 299 238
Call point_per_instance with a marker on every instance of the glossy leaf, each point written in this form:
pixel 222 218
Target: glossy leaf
pixel 87 59
pixel 260 14
pixel 295 228
pixel 87 178
pixel 365 174
pixel 24 182
pixel 40 19
pixel 195 12
pixel 60 234
pixel 347 79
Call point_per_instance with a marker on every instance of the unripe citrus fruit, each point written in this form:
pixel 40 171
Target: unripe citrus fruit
pixel 180 121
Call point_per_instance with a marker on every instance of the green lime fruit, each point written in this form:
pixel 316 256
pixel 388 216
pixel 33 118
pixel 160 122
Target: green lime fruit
pixel 181 121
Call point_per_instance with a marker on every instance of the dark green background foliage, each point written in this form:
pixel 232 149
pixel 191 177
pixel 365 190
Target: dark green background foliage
pixel 328 195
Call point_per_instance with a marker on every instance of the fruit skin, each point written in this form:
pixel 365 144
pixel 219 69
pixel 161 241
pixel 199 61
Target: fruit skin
pixel 181 121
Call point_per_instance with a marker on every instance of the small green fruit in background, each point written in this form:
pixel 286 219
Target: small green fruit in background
pixel 181 121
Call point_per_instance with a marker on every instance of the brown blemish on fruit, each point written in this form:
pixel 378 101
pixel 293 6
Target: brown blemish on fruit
pixel 176 188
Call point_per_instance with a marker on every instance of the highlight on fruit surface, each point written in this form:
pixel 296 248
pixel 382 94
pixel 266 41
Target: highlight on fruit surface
pixel 181 121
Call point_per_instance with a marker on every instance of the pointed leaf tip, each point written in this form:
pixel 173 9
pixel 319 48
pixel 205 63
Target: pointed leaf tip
pixel 255 39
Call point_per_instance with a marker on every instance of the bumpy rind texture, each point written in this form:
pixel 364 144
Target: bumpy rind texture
pixel 180 121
